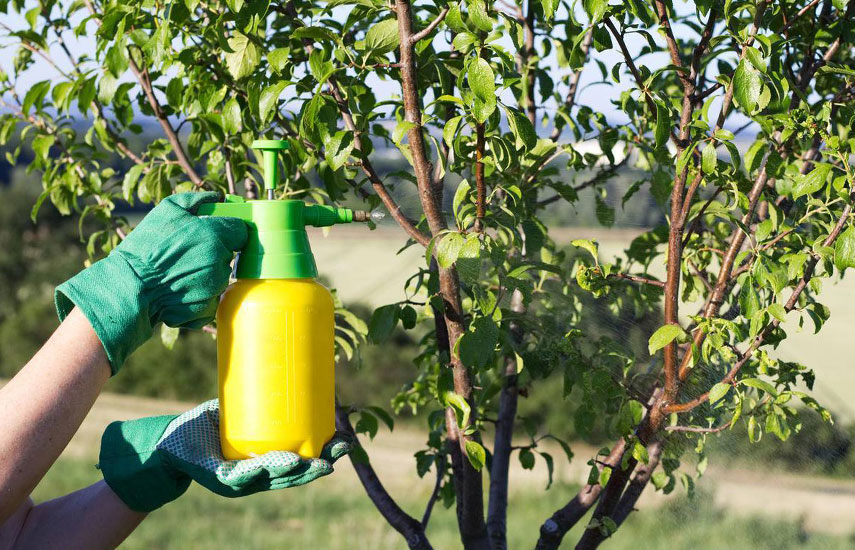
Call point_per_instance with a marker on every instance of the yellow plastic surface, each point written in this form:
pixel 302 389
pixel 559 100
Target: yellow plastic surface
pixel 276 369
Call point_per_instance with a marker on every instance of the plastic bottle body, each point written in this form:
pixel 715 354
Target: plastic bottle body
pixel 275 346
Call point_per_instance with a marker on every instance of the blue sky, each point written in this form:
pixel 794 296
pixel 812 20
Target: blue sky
pixel 596 96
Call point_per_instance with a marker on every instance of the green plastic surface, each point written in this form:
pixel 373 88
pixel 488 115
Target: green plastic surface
pixel 277 246
pixel 270 154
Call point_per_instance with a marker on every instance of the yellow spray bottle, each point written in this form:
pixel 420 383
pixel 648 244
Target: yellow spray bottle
pixel 275 327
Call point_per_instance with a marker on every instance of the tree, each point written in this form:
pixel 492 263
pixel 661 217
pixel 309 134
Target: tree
pixel 749 235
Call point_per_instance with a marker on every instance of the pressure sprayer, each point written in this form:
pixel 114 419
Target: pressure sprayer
pixel 275 326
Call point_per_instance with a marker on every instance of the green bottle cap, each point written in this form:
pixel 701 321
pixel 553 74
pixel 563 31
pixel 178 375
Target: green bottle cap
pixel 277 246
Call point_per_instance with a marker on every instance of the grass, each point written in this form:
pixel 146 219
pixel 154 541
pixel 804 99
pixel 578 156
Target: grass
pixel 332 515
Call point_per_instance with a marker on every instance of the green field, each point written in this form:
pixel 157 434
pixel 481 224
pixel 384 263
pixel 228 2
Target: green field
pixel 334 514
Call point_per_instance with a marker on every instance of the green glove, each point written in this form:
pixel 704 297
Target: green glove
pixel 171 268
pixel 151 461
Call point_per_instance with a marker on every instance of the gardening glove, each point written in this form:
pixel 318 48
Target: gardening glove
pixel 151 461
pixel 171 268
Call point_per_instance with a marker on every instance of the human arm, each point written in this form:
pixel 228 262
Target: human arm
pixel 44 404
pixel 93 518
pixel 171 268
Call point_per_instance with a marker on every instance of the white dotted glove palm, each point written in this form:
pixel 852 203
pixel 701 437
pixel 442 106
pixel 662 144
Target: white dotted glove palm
pixel 151 461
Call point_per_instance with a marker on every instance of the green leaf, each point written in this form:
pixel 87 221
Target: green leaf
pixel 130 181
pixel 231 117
pixel 718 391
pixel 469 259
pixel 169 335
pixel 639 452
pixel 460 406
pixel 35 97
pixel 660 479
pixel 760 385
pixel 709 159
pixel 409 317
pixel 478 14
pixel 482 83
pixel 481 79
pixel 234 5
pixel 450 130
pixel 337 148
pixel 549 8
pixel 754 56
pixel 664 336
pixel 778 311
pixel 590 246
pixel 630 416
pixel 454 19
pixel 747 85
pixel 844 249
pixel 86 95
pixel 463 40
pixel 107 88
pixel 61 95
pixel 384 416
pixel 383 37
pixel 605 213
pixel 448 248
pixel 595 9
pixel 117 60
pixel 309 120
pixel 521 128
pixel 367 424
pixel 477 345
pixel 245 57
pixel 382 323
pixel 278 59
pixel 476 454
pixel 460 195
pixel 268 100
pixel 550 468
pixel 811 182
pixel 42 144
pixel 663 124
pixel 526 458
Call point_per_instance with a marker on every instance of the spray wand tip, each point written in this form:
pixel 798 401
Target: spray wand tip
pixel 363 216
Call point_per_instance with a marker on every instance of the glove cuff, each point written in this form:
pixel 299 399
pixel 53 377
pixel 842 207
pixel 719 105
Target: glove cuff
pixel 110 294
pixel 133 467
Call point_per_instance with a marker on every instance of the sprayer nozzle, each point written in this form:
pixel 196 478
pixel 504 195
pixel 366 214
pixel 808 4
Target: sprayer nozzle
pixel 361 216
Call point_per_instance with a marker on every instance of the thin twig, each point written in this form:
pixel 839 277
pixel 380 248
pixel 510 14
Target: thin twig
pixel 431 26
pixel 440 475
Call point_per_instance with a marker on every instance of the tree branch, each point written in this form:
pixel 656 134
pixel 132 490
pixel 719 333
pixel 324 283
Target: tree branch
pixel 553 529
pixel 630 63
pixel 440 474
pixel 639 482
pixel 177 148
pixel 498 502
pixel 698 429
pixel 431 26
pixel 405 524
pixel 637 279
pixel 480 187
pixel 468 483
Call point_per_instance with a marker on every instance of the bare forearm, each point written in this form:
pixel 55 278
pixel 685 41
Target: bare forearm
pixel 44 404
pixel 93 518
